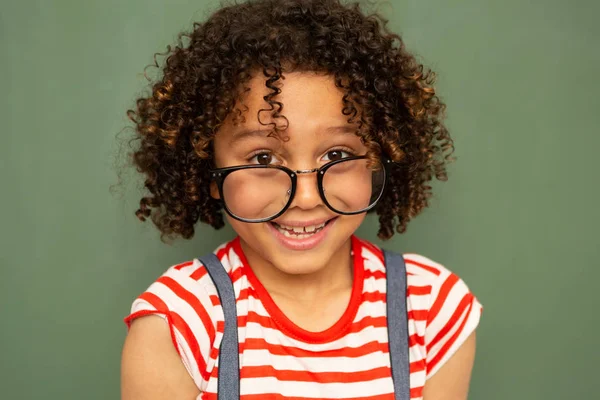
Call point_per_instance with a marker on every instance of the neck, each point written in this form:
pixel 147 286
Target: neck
pixel 335 275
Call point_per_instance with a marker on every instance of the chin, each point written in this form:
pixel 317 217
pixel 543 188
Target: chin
pixel 303 263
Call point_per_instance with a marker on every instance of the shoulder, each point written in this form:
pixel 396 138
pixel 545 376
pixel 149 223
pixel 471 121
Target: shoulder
pixel 448 293
pixel 449 310
pixel 186 299
pixel 443 311
pixel 185 294
pixel 182 291
pixel 430 276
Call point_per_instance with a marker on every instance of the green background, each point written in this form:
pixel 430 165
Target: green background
pixel 518 220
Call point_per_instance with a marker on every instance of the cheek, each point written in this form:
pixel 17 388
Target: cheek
pixel 350 223
pixel 251 233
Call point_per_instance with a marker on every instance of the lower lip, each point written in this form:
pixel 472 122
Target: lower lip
pixel 302 244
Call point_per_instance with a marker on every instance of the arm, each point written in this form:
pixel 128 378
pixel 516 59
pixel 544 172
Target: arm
pixel 451 382
pixel 151 369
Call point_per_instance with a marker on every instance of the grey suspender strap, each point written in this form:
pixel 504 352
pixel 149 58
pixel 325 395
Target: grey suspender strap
pixel 397 322
pixel 228 384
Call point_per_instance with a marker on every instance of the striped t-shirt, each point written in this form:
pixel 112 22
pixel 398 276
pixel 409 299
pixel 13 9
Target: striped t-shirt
pixel 280 360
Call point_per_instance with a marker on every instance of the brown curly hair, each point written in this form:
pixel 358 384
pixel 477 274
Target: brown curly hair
pixel 386 92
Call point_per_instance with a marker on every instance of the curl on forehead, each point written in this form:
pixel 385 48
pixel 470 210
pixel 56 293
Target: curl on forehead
pixel 303 100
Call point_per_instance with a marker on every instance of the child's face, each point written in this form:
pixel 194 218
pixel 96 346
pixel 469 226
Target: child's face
pixel 316 129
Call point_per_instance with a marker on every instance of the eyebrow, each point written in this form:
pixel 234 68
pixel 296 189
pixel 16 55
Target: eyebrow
pixel 246 133
pixel 342 129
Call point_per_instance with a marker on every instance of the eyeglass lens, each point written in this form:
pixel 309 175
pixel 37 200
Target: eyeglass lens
pixel 261 193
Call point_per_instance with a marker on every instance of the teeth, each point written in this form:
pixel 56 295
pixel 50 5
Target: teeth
pixel 286 233
pixel 299 232
pixel 300 229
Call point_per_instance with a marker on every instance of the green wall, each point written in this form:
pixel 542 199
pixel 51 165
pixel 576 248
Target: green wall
pixel 518 219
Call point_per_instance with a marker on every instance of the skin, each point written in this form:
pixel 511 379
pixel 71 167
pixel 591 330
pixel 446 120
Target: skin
pixel 297 280
pixel 300 282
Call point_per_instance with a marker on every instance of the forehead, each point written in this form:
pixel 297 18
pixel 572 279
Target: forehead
pixel 302 93
pixel 311 103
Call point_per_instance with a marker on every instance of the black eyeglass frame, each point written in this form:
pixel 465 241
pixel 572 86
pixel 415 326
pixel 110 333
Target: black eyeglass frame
pixel 218 175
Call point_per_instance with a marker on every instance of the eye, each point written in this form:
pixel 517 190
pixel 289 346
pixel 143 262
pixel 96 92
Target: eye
pixel 263 158
pixel 334 155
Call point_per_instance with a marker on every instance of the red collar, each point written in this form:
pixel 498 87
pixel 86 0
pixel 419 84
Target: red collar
pixel 334 332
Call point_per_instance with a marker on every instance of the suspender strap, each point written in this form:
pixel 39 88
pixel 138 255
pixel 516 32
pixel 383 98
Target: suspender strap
pixel 228 385
pixel 397 322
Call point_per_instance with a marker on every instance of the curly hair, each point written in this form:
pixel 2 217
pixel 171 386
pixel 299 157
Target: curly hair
pixel 386 92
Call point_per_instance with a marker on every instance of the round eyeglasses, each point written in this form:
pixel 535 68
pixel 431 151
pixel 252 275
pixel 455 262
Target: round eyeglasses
pixel 261 193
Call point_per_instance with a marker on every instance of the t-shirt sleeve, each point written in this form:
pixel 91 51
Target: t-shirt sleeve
pixel 185 304
pixel 453 315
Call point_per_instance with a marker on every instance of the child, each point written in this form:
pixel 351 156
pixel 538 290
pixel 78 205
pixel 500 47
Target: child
pixel 293 119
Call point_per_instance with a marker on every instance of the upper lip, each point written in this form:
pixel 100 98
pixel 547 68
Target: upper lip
pixel 303 223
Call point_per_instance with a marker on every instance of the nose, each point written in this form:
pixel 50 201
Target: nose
pixel 307 192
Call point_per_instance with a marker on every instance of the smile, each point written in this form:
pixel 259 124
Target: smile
pixel 299 232
pixel 301 235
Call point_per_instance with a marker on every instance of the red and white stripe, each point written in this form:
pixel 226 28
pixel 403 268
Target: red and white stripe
pixel 278 360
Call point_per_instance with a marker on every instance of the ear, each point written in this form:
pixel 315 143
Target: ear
pixel 214 190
